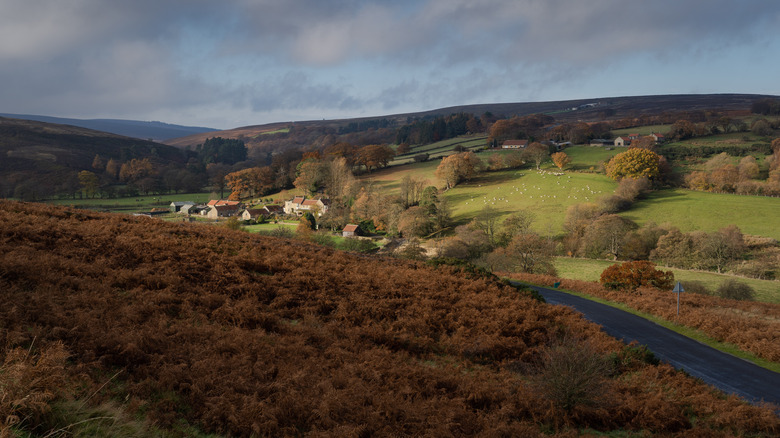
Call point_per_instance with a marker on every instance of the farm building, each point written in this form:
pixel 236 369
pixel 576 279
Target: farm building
pixel 253 213
pixel 223 210
pixel 351 230
pixel 514 144
pixel 300 205
pixel 177 206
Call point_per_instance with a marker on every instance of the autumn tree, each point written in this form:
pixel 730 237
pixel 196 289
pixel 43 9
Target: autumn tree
pixel 516 223
pixel 89 183
pixel 723 246
pixel 112 168
pixel 246 183
pixel 748 168
pixel 339 180
pixel 676 249
pixel 606 236
pixel 634 163
pixel 487 221
pixel 98 163
pixel 415 222
pixel 309 176
pixel 560 159
pixel 631 275
pixel 411 189
pixel 513 160
pixel 456 168
pixel 537 153
pixel 374 156
pixel 527 252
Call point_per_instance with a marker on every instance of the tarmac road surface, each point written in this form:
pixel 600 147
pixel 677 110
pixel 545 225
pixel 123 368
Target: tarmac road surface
pixel 722 370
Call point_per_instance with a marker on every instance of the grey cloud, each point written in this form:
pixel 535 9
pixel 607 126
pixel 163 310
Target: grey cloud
pixel 296 90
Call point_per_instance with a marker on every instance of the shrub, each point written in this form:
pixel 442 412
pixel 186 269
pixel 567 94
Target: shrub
pixel 631 275
pixel 734 290
pixel 696 287
pixel 571 374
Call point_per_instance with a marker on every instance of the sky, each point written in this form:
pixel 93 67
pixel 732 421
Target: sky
pixel 231 63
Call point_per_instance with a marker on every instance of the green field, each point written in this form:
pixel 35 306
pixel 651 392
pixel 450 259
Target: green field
pixel 590 270
pixel 440 148
pixel 547 195
pixel 587 157
pixel 689 211
pixel 134 204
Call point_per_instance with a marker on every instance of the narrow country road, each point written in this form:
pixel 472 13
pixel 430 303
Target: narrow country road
pixel 724 371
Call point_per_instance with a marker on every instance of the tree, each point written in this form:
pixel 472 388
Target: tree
pixel 735 290
pixel 415 222
pixel 98 163
pixel 748 168
pixel 458 167
pixel 631 275
pixel 676 249
pixel 560 159
pixel 374 156
pixel 411 189
pixel 537 153
pixel 529 252
pixel 339 179
pixel 135 170
pixel 517 223
pixel 606 236
pixel 222 150
pixel 112 168
pixel 721 247
pixel 309 176
pixel 89 182
pixel 634 163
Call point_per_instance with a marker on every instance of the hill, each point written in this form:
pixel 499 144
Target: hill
pixel 195 328
pixel 45 157
pixel 564 111
pixel 155 131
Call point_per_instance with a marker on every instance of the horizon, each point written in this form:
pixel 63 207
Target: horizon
pixel 241 64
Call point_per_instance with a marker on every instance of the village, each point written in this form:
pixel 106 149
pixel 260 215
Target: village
pixel 220 209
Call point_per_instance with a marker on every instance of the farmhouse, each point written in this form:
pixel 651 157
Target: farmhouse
pixel 659 138
pixel 514 144
pixel 622 141
pixel 351 230
pixel 222 210
pixel 253 213
pixel 300 205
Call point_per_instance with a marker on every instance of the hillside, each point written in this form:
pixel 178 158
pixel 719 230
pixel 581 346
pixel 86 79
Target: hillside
pixel 197 328
pixel 44 156
pixel 156 131
pixel 564 111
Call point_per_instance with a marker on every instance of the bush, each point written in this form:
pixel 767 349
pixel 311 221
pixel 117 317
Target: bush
pixel 734 290
pixel 696 287
pixel 631 275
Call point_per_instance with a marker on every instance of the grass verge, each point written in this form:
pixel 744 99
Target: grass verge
pixel 683 330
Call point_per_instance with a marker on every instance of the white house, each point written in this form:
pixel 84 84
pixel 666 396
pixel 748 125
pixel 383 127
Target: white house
pixel 300 205
pixel 514 144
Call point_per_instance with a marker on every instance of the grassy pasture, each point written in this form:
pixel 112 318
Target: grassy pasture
pixel 689 211
pixel 547 195
pixel 585 157
pixel 134 204
pixel 440 148
pixel 590 270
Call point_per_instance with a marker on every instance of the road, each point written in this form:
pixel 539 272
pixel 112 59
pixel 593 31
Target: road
pixel 724 371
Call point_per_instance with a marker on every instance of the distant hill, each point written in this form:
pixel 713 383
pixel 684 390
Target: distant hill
pixel 45 157
pixel 563 110
pixel 157 131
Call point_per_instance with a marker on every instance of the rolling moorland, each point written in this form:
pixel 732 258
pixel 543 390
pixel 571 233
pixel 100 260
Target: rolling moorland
pixel 749 327
pixel 123 326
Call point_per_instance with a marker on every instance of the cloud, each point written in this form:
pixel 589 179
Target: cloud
pixel 113 58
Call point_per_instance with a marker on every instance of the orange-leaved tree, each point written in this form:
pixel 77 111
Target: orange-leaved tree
pixel 560 159
pixel 634 163
pixel 631 275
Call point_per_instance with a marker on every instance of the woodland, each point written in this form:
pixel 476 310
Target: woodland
pixel 115 325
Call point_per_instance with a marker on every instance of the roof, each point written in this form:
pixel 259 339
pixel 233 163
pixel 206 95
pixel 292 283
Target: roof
pixel 255 211
pixel 298 199
pixel 215 202
pixel 351 228
pixel 225 207
pixel 182 203
pixel 515 143
pixel 309 202
pixel 273 208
